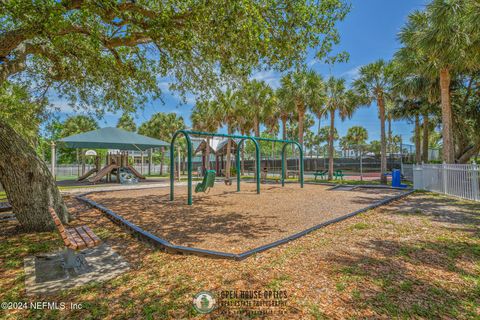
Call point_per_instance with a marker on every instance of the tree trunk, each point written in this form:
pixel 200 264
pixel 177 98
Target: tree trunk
pixel 418 154
pixel 83 162
pixel 469 153
pixel 29 185
pixel 426 131
pixel 383 142
pixel 78 163
pixel 229 145
pixel 319 124
pixel 447 132
pixel 256 123
pixel 301 116
pixel 242 160
pixel 284 128
pixel 390 140
pixel 161 160
pixel 330 144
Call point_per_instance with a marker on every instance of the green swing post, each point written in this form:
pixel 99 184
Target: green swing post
pixel 257 161
pixel 285 144
pixel 189 165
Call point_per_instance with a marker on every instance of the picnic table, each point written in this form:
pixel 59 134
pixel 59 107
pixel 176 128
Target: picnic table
pixel 320 173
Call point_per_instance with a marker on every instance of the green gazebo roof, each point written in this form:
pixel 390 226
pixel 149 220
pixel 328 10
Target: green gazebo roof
pixel 112 138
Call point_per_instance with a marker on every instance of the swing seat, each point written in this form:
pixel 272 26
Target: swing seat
pixel 207 182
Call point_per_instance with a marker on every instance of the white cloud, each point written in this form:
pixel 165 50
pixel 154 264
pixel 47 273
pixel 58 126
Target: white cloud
pixel 352 73
pixel 62 106
pixel 272 78
pixel 312 62
pixel 164 86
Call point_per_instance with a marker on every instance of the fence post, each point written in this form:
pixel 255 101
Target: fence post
pixel 444 177
pixel 475 182
pixel 418 177
pixel 361 164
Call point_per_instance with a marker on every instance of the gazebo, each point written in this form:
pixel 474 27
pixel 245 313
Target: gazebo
pixel 218 147
pixel 109 138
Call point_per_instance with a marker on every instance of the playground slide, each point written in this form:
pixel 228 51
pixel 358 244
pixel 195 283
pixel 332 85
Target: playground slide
pixel 88 174
pixel 135 172
pixel 102 173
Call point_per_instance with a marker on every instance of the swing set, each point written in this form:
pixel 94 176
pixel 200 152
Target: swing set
pixel 209 178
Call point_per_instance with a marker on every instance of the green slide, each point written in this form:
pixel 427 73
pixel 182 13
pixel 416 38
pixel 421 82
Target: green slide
pixel 208 181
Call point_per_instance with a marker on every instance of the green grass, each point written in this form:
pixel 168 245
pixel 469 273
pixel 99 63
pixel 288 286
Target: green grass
pixel 361 226
pixel 433 275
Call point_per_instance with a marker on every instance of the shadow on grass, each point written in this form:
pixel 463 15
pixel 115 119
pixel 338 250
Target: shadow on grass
pixel 441 209
pixel 412 280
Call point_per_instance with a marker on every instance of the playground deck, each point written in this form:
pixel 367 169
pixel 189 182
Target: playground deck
pixel 227 221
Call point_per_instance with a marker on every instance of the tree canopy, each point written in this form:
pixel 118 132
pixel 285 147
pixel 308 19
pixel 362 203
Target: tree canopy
pixel 107 55
pixel 126 122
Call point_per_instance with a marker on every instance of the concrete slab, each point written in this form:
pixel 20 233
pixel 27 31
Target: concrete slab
pixel 45 274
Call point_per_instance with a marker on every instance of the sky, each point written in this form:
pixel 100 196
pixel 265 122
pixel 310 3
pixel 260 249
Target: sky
pixel 369 32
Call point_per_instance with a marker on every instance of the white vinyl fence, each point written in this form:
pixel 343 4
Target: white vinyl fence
pixel 73 170
pixel 407 171
pixel 459 180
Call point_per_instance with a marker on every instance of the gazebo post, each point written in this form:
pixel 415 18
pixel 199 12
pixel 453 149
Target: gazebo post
pixel 150 151
pixel 53 159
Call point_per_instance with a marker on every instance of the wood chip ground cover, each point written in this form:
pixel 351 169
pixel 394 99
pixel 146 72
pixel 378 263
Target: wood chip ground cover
pixel 229 221
pixel 415 258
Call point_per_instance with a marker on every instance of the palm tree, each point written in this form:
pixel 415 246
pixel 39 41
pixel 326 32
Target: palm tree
pixel 440 41
pixel 205 118
pixel 373 84
pixel 284 109
pixel 162 126
pixel 414 95
pixel 257 94
pixel 226 113
pixel 357 136
pixel 78 124
pixel 304 90
pixel 338 98
pixel 244 121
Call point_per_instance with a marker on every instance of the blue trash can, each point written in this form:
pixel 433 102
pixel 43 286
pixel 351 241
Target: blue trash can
pixel 397 179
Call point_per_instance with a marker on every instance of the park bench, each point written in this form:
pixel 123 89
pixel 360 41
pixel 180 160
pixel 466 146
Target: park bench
pixel 75 239
pixel 292 174
pixel 338 174
pixel 320 173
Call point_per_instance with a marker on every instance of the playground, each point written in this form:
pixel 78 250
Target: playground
pixel 228 221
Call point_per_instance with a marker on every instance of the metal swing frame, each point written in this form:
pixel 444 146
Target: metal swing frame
pixel 187 133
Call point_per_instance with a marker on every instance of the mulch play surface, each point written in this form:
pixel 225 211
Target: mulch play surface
pixel 227 221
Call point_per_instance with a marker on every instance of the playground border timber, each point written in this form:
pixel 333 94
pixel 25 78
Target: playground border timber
pixel 169 247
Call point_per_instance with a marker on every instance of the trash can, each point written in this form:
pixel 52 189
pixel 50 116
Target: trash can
pixel 397 179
